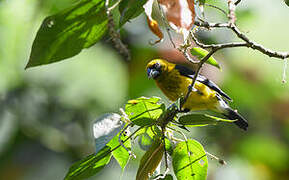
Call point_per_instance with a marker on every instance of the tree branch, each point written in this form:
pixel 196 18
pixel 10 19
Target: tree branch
pixel 232 9
pixel 115 36
pixel 249 43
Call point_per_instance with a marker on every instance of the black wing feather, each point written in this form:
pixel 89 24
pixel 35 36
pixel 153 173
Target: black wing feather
pixel 184 71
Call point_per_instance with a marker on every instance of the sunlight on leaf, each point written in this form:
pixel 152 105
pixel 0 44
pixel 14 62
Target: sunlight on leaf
pixel 120 154
pixel 144 111
pixel 201 120
pixel 89 166
pixel 130 9
pixel 190 161
pixel 66 33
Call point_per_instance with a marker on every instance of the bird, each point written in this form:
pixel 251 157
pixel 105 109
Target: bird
pixel 174 81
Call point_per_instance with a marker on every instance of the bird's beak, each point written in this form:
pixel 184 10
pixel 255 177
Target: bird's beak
pixel 152 73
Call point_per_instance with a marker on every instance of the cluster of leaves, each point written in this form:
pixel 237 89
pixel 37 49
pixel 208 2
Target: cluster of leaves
pixel 65 34
pixel 188 156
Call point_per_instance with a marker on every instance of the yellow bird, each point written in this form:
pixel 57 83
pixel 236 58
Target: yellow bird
pixel 174 81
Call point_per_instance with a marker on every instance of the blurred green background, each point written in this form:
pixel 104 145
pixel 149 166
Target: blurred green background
pixel 46 112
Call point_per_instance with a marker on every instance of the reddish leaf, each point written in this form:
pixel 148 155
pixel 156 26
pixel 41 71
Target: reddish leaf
pixel 154 27
pixel 153 24
pixel 180 14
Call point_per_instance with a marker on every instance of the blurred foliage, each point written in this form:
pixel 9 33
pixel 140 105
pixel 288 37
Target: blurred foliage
pixel 47 112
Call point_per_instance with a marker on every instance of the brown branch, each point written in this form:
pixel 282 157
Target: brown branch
pixel 224 45
pixel 211 25
pixel 216 7
pixel 256 46
pixel 115 36
pixel 171 112
pixel 249 43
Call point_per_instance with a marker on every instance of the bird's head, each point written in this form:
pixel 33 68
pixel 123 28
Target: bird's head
pixel 156 68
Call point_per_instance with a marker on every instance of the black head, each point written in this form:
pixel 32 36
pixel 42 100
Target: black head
pixel 154 69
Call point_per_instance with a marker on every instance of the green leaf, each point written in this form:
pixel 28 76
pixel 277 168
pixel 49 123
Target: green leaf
pixel 201 120
pixel 190 161
pixel 66 33
pixel 147 135
pixel 287 2
pixel 202 2
pixel 144 111
pixel 120 154
pixel 89 166
pixel 130 9
pixel 169 146
pixel 201 53
pixel 150 160
pixel 167 177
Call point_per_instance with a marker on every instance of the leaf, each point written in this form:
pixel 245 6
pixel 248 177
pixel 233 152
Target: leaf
pixel 153 24
pixel 130 9
pixel 201 120
pixel 89 166
pixel 144 111
pixel 147 136
pixel 169 146
pixel 150 160
pixel 145 141
pixel 180 15
pixel 190 161
pixel 201 53
pixel 105 128
pixel 167 177
pixel 120 154
pixel 286 2
pixel 202 2
pixel 66 33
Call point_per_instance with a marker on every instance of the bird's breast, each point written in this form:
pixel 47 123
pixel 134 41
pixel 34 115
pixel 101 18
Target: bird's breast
pixel 175 86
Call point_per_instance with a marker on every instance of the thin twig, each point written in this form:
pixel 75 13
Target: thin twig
pixel 232 9
pixel 115 36
pixel 211 25
pixel 121 143
pixel 200 64
pixel 114 6
pixel 216 7
pixel 237 2
pixel 126 139
pixel 221 161
pixel 165 24
pixel 284 71
pixel 249 43
pixel 225 45
pixel 165 150
pixel 253 45
pixel 180 132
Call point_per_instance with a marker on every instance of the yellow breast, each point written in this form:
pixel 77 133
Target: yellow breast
pixel 174 86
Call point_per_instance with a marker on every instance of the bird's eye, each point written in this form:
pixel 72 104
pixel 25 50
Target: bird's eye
pixel 157 66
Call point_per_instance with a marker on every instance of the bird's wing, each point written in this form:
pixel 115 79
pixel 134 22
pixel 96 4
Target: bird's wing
pixel 189 73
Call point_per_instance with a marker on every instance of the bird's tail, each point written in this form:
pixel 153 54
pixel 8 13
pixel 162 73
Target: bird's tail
pixel 234 115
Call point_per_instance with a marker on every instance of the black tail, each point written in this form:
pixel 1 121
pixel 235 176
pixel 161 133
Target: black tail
pixel 233 115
